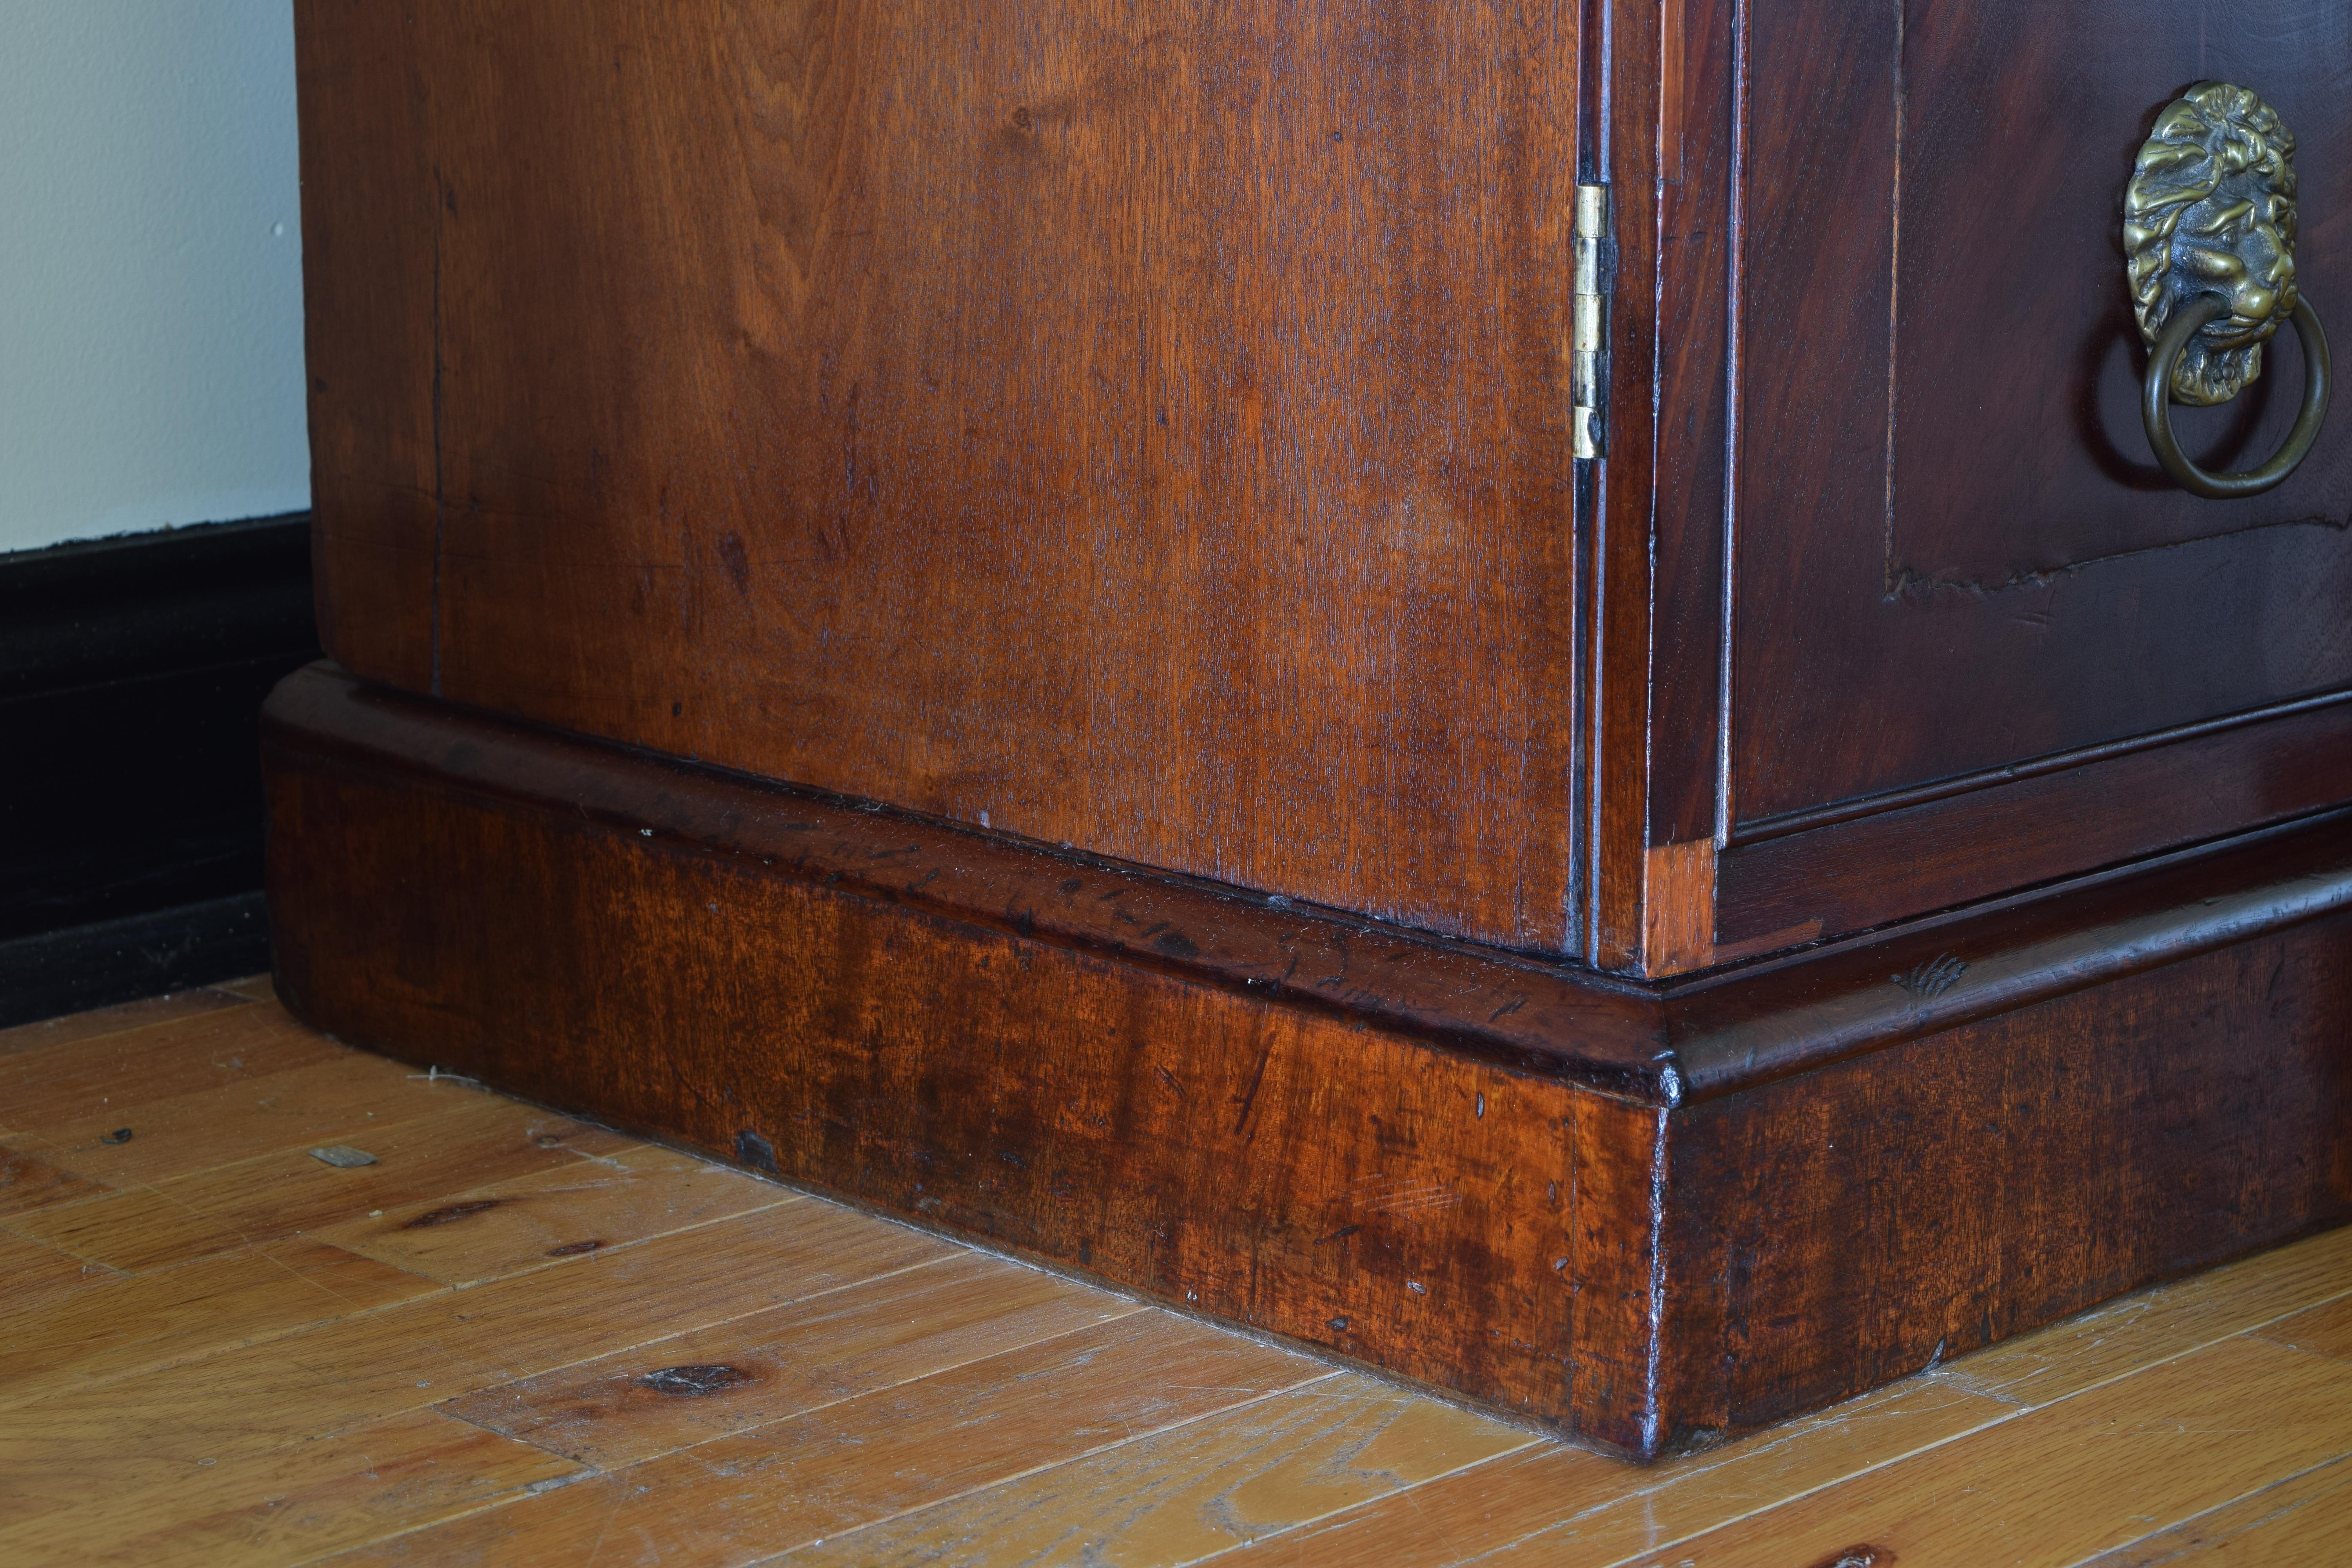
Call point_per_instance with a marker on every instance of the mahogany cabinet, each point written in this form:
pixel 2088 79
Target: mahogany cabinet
pixel 1508 689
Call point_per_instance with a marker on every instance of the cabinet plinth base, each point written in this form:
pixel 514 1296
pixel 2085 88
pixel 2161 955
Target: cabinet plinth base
pixel 1643 1215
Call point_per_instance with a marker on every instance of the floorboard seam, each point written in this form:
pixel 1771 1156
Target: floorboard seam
pixel 2022 1411
pixel 238 1005
pixel 793 1415
pixel 2105 1552
pixel 1006 1480
pixel 1403 1491
pixel 658 1339
pixel 1936 1378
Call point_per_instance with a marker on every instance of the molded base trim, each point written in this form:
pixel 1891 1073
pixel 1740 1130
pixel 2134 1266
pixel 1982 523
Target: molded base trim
pixel 1641 1216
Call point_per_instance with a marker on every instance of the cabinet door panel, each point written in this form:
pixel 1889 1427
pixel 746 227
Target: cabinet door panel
pixel 1955 552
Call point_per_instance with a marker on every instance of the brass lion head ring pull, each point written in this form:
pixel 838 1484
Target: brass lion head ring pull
pixel 2155 402
pixel 2209 236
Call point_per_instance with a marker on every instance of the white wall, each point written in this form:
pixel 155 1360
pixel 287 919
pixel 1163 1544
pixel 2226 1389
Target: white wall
pixel 150 280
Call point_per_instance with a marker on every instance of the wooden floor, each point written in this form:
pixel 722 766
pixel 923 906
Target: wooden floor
pixel 516 1338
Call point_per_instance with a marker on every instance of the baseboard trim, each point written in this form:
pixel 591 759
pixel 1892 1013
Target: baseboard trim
pixel 125 959
pixel 132 672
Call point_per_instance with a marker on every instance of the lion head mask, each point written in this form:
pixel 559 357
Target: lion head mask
pixel 2210 209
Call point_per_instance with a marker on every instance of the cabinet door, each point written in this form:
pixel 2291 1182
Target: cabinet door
pixel 1977 639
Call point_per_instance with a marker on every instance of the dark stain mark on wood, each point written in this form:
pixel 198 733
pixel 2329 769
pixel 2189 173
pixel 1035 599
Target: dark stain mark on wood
pixel 1249 1095
pixel 754 1150
pixel 120 1135
pixel 453 1212
pixel 1931 980
pixel 574 1248
pixel 738 562
pixel 1339 1235
pixel 696 1379
pixel 1176 945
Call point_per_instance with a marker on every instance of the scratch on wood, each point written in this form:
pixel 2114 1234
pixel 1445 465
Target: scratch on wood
pixel 1932 979
pixel 1249 1095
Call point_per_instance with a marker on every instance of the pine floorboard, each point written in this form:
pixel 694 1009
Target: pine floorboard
pixel 518 1338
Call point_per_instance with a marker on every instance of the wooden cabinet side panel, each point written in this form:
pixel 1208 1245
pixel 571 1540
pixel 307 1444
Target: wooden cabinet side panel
pixel 372 224
pixel 1142 428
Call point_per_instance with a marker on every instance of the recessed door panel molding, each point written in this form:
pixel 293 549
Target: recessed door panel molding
pixel 1957 553
pixel 2016 443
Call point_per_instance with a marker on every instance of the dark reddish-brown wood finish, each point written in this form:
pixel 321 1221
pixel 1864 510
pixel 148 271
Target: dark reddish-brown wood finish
pixel 1145 428
pixel 2054 817
pixel 1100 1067
pixel 1452 1163
pixel 1843 1228
pixel 1138 426
pixel 1955 554
pixel 372 305
pixel 1122 449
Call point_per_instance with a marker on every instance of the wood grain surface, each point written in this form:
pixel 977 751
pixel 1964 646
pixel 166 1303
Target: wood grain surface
pixel 1479 1230
pixel 1133 425
pixel 809 1477
pixel 2304 1521
pixel 1144 429
pixel 1955 552
pixel 2070 816
pixel 2079 1477
pixel 1631 1212
pixel 767 1366
pixel 801 1383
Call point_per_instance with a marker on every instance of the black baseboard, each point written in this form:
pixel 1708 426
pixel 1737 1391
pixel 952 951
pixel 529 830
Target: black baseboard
pixel 139 955
pixel 132 677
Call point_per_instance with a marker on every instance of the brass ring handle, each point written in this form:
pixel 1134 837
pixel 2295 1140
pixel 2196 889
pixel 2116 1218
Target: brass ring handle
pixel 2156 403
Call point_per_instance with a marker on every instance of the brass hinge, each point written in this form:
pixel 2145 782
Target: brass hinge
pixel 1589 352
